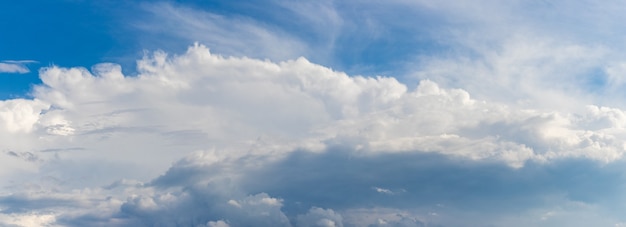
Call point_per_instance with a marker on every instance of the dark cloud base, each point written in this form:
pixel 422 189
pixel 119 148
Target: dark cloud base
pixel 341 179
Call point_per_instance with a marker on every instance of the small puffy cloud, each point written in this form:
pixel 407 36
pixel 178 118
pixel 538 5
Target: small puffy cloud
pixel 200 205
pixel 383 191
pixel 318 217
pixel 219 223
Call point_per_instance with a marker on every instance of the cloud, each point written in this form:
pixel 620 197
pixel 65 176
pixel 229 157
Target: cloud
pixel 14 67
pixel 195 209
pixel 235 35
pixel 497 115
pixel 293 143
pixel 527 53
pixel 298 105
pixel 383 190
pixel 320 217
pixel 19 115
pixel 291 192
pixel 13 220
pixel 367 37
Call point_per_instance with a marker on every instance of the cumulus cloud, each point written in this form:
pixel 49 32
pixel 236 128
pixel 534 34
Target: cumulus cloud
pixel 219 223
pixel 199 100
pixel 320 218
pixel 20 115
pixel 288 143
pixel 503 120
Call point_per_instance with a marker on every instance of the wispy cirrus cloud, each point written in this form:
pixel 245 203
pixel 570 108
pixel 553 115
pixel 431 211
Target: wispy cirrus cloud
pixel 232 34
pixel 524 51
pixel 9 66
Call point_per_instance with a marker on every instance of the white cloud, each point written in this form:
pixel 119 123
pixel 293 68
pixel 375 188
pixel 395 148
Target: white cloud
pixel 249 121
pixel 537 54
pixel 531 71
pixel 235 35
pixel 13 67
pixel 219 223
pixel 296 104
pixel 318 217
pixel 508 117
pixel 383 190
pixel 200 100
pixel 20 115
pixel 27 219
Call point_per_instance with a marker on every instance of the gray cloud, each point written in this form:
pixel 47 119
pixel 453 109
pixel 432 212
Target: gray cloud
pixel 334 188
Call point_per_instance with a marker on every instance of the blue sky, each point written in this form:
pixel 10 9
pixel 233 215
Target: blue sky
pixel 107 32
pixel 312 113
pixel 54 33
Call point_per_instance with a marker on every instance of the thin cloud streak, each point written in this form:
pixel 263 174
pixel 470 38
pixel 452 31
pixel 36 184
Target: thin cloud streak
pixel 10 66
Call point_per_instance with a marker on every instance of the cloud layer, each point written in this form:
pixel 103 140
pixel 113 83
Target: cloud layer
pixel 499 114
pixel 290 143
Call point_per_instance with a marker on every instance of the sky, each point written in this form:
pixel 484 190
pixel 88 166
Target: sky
pixel 312 113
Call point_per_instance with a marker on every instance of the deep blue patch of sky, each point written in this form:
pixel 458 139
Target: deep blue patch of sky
pixel 400 35
pixel 64 33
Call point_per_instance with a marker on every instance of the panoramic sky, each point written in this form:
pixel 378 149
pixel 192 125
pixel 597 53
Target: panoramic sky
pixel 313 113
